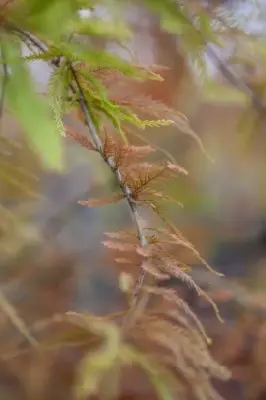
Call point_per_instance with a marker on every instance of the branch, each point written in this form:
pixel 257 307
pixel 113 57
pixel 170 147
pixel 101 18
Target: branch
pixel 232 78
pixel 138 302
pixel 227 72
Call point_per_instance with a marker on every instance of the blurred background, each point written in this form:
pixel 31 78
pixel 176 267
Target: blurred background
pixel 51 255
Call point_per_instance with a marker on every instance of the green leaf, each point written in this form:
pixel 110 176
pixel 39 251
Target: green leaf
pixel 94 58
pixel 206 29
pixel 30 110
pixel 97 364
pixel 50 18
pixel 97 27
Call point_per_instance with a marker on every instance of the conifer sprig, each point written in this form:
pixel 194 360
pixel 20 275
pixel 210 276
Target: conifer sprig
pixel 116 170
pixel 97 142
pixel 171 334
pixel 132 179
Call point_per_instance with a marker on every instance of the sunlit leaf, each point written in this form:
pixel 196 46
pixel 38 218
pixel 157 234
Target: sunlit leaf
pixel 101 201
pixel 96 364
pixel 97 27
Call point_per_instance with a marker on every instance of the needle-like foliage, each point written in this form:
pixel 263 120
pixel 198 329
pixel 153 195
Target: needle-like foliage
pixel 158 334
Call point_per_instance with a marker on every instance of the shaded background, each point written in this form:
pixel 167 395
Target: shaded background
pixel 51 255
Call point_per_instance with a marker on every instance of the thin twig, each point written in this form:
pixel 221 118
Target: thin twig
pixel 137 304
pixel 227 72
pixel 232 78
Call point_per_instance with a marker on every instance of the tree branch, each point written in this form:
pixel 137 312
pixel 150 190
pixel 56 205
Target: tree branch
pixel 228 73
pixel 138 302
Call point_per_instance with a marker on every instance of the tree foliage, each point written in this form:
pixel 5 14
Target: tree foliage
pixel 168 343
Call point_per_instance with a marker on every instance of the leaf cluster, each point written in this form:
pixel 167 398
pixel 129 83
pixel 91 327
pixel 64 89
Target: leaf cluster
pixel 93 85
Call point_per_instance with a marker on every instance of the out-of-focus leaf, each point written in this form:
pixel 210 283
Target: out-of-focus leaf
pixel 215 92
pixel 114 198
pixel 97 27
pixel 50 18
pixel 248 124
pixel 30 110
pixel 58 87
pixel 206 29
pixel 126 281
pixel 96 364
pixel 159 381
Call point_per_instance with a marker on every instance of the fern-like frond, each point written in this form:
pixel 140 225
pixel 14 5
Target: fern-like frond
pixel 129 235
pixel 174 236
pixel 161 197
pixel 147 106
pixel 127 154
pixel 109 145
pixel 163 115
pixel 179 311
pixel 123 247
pixel 112 76
pixel 155 146
pixel 83 140
pixel 178 339
pixel 178 270
pixel 104 75
pixel 158 258
pixel 174 268
pixel 57 91
pixel 156 123
pixel 137 177
pixel 101 201
pixel 149 267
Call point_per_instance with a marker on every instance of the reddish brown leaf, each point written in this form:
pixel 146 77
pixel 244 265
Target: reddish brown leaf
pixel 78 137
pixel 129 235
pixel 150 268
pixel 103 201
pixel 120 246
pixel 121 260
pixel 144 251
pixel 177 168
pixel 137 177
pixel 127 154
pixel 109 145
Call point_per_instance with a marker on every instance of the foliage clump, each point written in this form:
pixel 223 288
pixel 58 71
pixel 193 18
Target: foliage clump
pixel 158 334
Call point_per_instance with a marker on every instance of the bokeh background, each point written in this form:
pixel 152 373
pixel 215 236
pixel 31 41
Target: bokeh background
pixel 51 255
